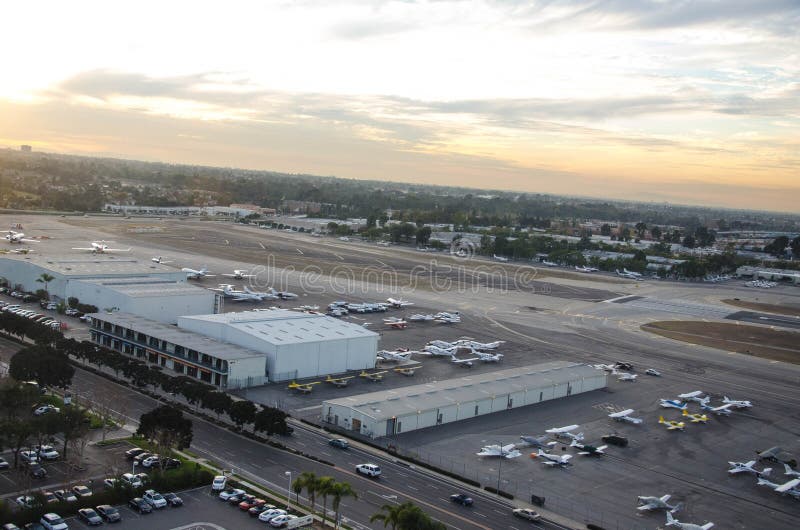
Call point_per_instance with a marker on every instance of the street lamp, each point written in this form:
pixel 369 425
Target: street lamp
pixel 133 467
pixel 289 491
pixel 499 467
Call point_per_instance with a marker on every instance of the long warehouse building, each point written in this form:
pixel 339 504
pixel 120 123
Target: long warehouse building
pixel 415 407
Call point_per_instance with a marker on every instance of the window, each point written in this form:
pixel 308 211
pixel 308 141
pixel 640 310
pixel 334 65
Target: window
pixel 178 367
pixel 476 410
pixel 541 395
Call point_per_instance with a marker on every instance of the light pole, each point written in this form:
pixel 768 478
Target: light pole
pixel 289 491
pixel 133 467
pixel 499 467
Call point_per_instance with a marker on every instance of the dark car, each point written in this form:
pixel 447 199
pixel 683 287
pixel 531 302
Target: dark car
pixel 341 443
pixel 235 499
pixel 615 439
pixel 173 500
pixel 255 511
pixel 130 454
pixel 140 457
pixel 170 463
pixel 38 471
pixel 109 513
pixel 89 516
pixel 622 365
pixel 461 498
pixel 140 505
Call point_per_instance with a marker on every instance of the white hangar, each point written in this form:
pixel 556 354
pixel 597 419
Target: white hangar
pixel 415 407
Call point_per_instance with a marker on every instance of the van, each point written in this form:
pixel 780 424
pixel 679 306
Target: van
pixel 370 470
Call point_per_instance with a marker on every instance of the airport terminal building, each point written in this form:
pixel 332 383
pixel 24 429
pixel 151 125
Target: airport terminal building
pixel 415 407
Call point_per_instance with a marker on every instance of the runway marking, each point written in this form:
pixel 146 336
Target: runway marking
pixel 260 244
pixel 300 251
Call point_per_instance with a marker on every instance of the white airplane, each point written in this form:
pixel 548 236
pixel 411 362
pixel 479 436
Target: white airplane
pixel 19 237
pixel 789 471
pixel 398 303
pixel 489 357
pixel 395 356
pixel 467 363
pixel 736 404
pixel 192 274
pixel 722 410
pixel 283 295
pixel 395 322
pixel 537 441
pixel 344 238
pixel 588 450
pixel 307 308
pixel 478 345
pixel 565 432
pixel 438 352
pixel 672 404
pixel 694 396
pixel 671 521
pixel 631 273
pixel 552 460
pixel 505 451
pixel 585 269
pixel 447 318
pixel 549 263
pixel 625 415
pixel 788 488
pixel 656 503
pixel 22 250
pixel 627 376
pixel 101 247
pixel 239 274
pixel 419 317
pixel 499 258
pixel 610 368
pixel 159 259
pixel 747 467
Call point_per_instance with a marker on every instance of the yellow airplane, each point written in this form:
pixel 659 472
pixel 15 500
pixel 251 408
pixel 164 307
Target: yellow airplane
pixel 695 418
pixel 372 376
pixel 407 371
pixel 303 388
pixel 671 425
pixel 339 382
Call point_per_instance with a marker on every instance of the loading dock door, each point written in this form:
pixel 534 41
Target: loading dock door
pixel 390 426
pixel 356 425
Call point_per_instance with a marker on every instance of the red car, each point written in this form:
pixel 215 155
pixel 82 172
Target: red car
pixel 249 501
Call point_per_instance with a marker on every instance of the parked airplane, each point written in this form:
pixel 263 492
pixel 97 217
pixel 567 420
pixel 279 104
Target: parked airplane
pixel 671 425
pixel 192 274
pixel 307 308
pixel 438 352
pixel 22 250
pixel 19 237
pixel 656 503
pixel 466 363
pixel 505 451
pixel 722 410
pixel 736 404
pixel 499 258
pixel 548 263
pixel 551 459
pixel 303 388
pixel 283 295
pixel 447 318
pixel 395 323
pixel 629 275
pixel 338 382
pixel 489 357
pixel 585 269
pixel 671 521
pixel 588 450
pixel 625 415
pixel 101 247
pixel 672 404
pixel 478 345
pixel 787 488
pixel 375 377
pixel 398 303
pixel 565 432
pixel 395 356
pixel 695 418
pixel 239 274
pixel 789 471
pixel 747 467
pixel 627 376
pixel 407 371
pixel 537 441
pixel 419 317
pixel 694 396
pixel 776 454
pixel 159 259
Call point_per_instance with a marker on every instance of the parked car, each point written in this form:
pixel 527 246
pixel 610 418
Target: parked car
pixel 370 470
pixel 131 480
pixel 82 491
pixel 236 498
pixel 10 526
pixel 53 521
pixel 257 510
pixel 526 513
pixel 268 515
pixel 155 499
pixel 173 500
pixel 65 496
pixel 170 463
pixel 37 471
pixel 46 452
pixel 340 443
pixel 143 478
pixel 3 463
pixel 138 504
pixel 219 483
pixel 249 502
pixel 281 520
pixel 230 492
pixel 151 461
pixel 461 498
pixel 141 457
pixel 25 501
pixel 109 513
pixel 652 371
pixel 44 409
pixel 90 517
pixel 130 454
pixel 28 457
pixel 49 497
pixel 110 483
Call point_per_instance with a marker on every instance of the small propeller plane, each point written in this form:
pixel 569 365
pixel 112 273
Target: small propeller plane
pixel 489 357
pixel 192 274
pixel 656 503
pixel 338 382
pixel 789 471
pixel 551 459
pixel 736 403
pixel 159 259
pixel 747 467
pixel 627 376
pixel 396 356
pixel 565 432
pixel 671 521
pixel 398 303
pixel 787 488
pixel 302 388
pixel 625 415
pixel 696 396
pixel 101 247
pixel 466 343
pixel 373 376
pixel 395 323
pixel 672 404
pixel 466 363
pixel 447 318
pixel 504 451
pixel 537 441
pixel 588 450
pixel 19 237
pixel 419 317
pixel 695 418
pixel 722 410
pixel 407 371
pixel 671 425
pixel 239 274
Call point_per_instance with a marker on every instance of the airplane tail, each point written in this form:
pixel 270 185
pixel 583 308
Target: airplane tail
pixel 670 520
pixel 767 471
pixel 685 412
pixel 787 468
pixel 661 419
pixel 675 509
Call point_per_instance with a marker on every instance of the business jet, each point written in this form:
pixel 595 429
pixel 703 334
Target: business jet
pixel 787 488
pixel 672 404
pixel 656 503
pixel 736 404
pixel 499 258
pixel 19 237
pixel 537 441
pixel 588 450
pixel 395 356
pixel 504 451
pixel 585 269
pixel 398 303
pixel 747 467
pixel 551 459
pixel 695 418
pixel 239 274
pixel 671 425
pixel 625 415
pixel 159 259
pixel 671 521
pixel 101 247
pixel 192 274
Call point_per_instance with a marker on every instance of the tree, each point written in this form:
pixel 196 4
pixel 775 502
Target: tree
pixel 778 247
pixel 795 244
pixel 45 279
pixel 339 491
pixel 242 412
pixel 641 228
pixel 325 488
pixel 605 230
pixel 217 402
pixel 308 481
pixel 42 364
pixel 166 426
pixel 423 235
pixel 74 425
pixel 389 514
pixel 689 241
pixel 271 421
pixel 655 232
pixel 406 516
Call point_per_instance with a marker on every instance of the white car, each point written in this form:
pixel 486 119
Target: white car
pixel 269 515
pixel 53 521
pixel 219 483
pixel 44 409
pixel 154 499
pixel 652 371
pixel 281 520
pixel 228 493
pixel 46 452
pixel 526 513
pixel 150 461
pixel 131 480
pixel 26 501
pixel 370 470
pixel 28 457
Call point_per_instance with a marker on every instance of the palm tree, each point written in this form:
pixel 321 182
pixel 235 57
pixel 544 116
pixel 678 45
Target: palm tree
pixel 308 481
pixel 390 514
pixel 339 491
pixel 45 279
pixel 297 488
pixel 325 488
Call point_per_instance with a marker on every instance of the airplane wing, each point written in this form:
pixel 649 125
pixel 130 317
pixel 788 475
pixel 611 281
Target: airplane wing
pixel 509 447
pixel 783 488
pixel 82 248
pixel 648 506
pixel 117 249
pixel 488 452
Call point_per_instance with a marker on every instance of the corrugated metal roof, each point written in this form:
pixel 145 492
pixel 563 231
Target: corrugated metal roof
pixel 281 326
pixel 411 399
pixel 147 287
pixel 95 265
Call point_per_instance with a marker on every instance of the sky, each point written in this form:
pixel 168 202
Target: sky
pixel 693 102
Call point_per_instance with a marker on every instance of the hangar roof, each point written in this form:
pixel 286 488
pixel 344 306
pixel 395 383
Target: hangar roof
pixel 388 404
pixel 96 265
pixel 281 326
pixel 150 287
